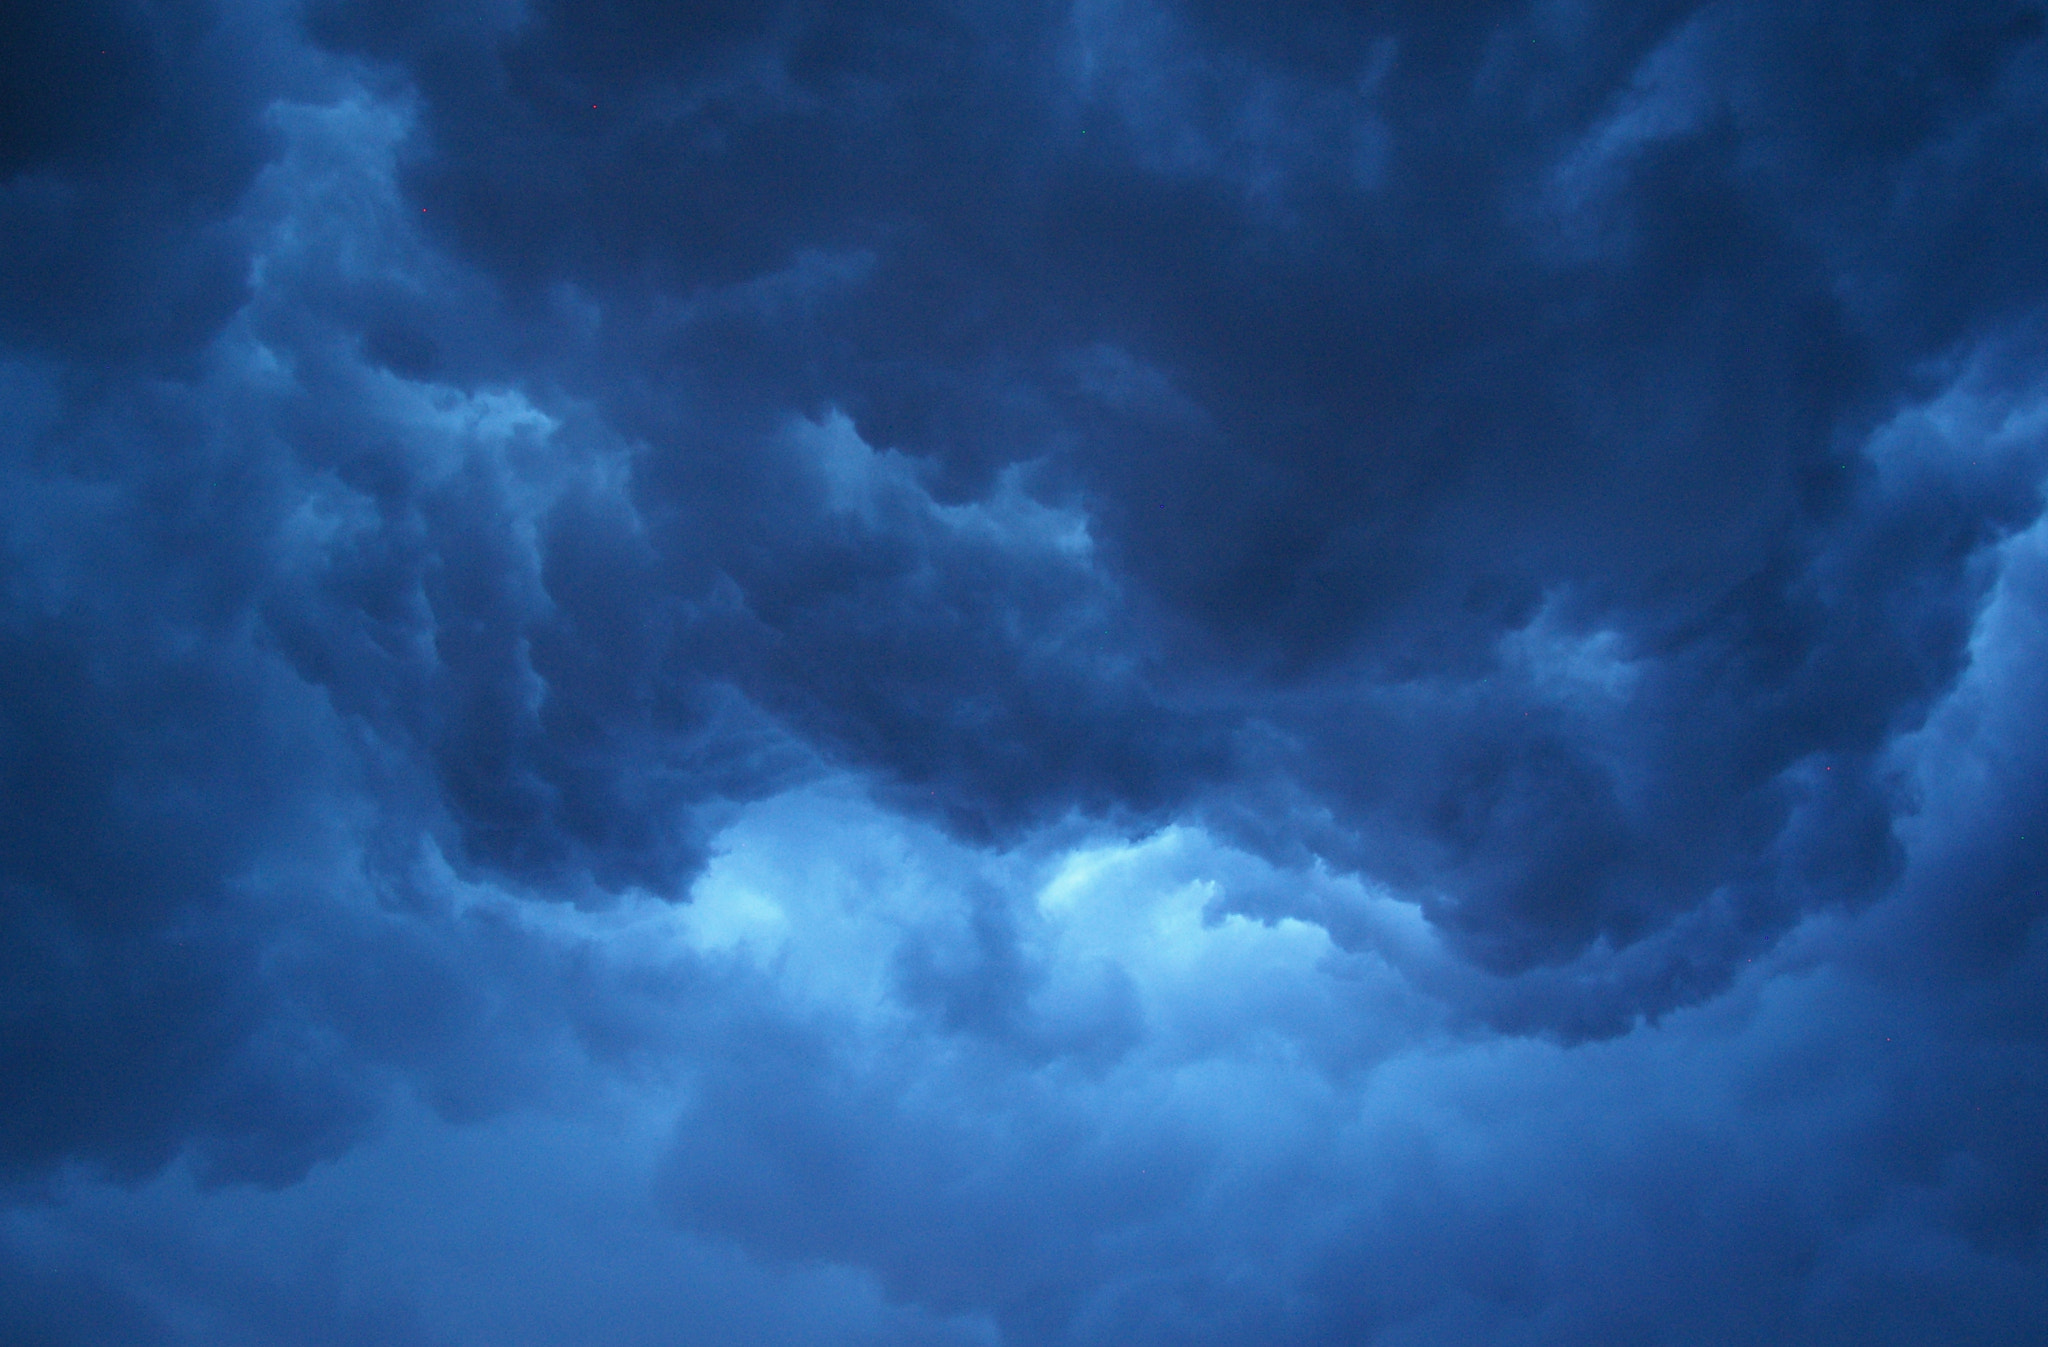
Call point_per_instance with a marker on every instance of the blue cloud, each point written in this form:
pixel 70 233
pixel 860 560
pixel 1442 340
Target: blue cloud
pixel 932 674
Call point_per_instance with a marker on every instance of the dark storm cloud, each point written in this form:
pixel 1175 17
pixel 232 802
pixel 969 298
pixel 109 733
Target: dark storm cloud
pixel 230 737
pixel 939 673
pixel 127 133
pixel 1365 341
pixel 146 761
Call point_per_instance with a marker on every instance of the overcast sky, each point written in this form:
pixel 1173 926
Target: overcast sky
pixel 1024 676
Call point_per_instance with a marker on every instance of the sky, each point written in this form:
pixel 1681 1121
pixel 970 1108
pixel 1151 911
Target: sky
pixel 1013 675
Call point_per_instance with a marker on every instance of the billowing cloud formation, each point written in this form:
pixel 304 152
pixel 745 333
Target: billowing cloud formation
pixel 920 673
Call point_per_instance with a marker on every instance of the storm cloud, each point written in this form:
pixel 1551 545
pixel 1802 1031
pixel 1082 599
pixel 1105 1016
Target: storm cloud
pixel 966 674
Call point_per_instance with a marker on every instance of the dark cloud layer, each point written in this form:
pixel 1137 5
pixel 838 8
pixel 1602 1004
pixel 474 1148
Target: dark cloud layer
pixel 1358 349
pixel 1142 671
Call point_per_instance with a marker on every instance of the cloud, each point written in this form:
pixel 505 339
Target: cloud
pixel 931 673
pixel 1373 470
pixel 1191 1125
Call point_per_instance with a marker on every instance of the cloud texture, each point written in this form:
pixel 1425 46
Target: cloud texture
pixel 930 673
